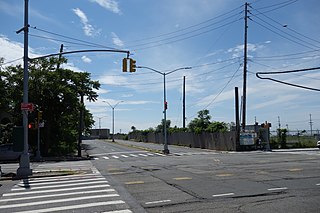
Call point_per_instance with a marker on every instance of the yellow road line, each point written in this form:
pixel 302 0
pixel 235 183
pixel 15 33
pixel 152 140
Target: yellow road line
pixel 134 182
pixel 182 178
pixel 224 175
pixel 295 170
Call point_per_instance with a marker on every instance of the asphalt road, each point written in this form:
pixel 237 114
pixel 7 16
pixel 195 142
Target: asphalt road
pixel 197 180
pixel 127 177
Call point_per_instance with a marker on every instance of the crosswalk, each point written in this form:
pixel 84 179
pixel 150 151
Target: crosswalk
pixel 130 155
pixel 89 192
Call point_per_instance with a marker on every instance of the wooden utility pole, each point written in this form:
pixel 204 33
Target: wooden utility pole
pixel 245 68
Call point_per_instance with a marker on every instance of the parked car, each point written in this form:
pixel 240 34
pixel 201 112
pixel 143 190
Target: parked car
pixel 7 153
pixel 318 144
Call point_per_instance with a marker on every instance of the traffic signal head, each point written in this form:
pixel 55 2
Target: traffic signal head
pixel 132 65
pixel 124 65
pixel 39 116
pixel 165 105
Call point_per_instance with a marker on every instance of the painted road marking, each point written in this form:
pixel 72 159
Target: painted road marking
pixel 318 184
pixel 75 207
pixel 69 177
pixel 143 155
pixel 223 195
pixel 275 189
pixel 57 195
pixel 107 158
pixel 158 201
pixel 133 155
pixel 60 185
pixel 57 201
pixel 114 156
pixel 183 178
pixel 224 175
pixel 56 190
pixel 150 154
pixel 159 154
pixel 29 184
pixel 134 182
pixel 295 170
pixel 125 156
pixel 120 211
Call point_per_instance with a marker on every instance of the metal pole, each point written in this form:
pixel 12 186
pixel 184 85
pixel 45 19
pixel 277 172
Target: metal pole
pixel 24 164
pixel 165 150
pixel 38 143
pixel 184 103
pixel 112 124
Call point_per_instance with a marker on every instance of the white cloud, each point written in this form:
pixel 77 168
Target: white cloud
pixel 238 50
pixel 110 5
pixel 86 59
pixel 116 40
pixel 12 51
pixel 87 28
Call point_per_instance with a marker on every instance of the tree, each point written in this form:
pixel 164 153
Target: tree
pixel 133 128
pixel 203 124
pixel 56 93
pixel 160 127
pixel 200 123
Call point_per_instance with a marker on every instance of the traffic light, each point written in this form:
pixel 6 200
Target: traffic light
pixel 30 125
pixel 132 65
pixel 124 65
pixel 39 116
pixel 165 105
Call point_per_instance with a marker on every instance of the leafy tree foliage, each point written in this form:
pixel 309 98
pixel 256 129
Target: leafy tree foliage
pixel 56 93
pixel 203 124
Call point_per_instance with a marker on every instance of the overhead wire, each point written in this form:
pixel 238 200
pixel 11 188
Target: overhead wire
pixel 186 28
pixel 281 30
pixel 212 101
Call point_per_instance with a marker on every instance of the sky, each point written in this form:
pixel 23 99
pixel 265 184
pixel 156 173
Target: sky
pixel 166 35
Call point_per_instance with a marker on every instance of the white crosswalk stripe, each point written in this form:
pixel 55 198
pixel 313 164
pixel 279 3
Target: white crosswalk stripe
pixel 147 154
pixel 85 192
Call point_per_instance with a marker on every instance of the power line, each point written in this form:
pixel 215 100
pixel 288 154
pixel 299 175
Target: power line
pixel 212 101
pixel 85 43
pixel 278 5
pixel 186 28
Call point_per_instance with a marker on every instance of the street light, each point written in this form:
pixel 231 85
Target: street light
pixel 113 116
pixel 165 149
pixel 100 123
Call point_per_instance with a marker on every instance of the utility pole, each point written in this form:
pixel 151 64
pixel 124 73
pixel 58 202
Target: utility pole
pixel 24 163
pixel 279 123
pixel 245 68
pixel 80 122
pixel 236 93
pixel 311 124
pixel 61 50
pixel 184 103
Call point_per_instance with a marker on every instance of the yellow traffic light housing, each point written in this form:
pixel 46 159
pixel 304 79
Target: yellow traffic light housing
pixel 124 65
pixel 132 65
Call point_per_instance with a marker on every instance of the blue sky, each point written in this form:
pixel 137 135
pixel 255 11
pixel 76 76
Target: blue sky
pixel 207 35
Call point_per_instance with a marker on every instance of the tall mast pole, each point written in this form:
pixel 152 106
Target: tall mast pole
pixel 245 69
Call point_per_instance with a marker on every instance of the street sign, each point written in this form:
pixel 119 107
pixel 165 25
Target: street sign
pixel 247 138
pixel 27 106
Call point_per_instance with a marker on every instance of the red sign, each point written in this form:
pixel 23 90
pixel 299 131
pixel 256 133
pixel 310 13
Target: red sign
pixel 27 106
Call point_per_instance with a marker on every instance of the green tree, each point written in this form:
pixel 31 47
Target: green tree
pixel 160 127
pixel 200 123
pixel 203 124
pixel 56 92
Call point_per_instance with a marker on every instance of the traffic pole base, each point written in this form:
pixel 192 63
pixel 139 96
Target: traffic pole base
pixel 24 166
pixel 166 151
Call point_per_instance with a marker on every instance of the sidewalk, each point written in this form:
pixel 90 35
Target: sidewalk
pixel 50 166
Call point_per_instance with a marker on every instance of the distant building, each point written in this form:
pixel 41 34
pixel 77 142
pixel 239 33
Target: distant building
pixel 100 133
